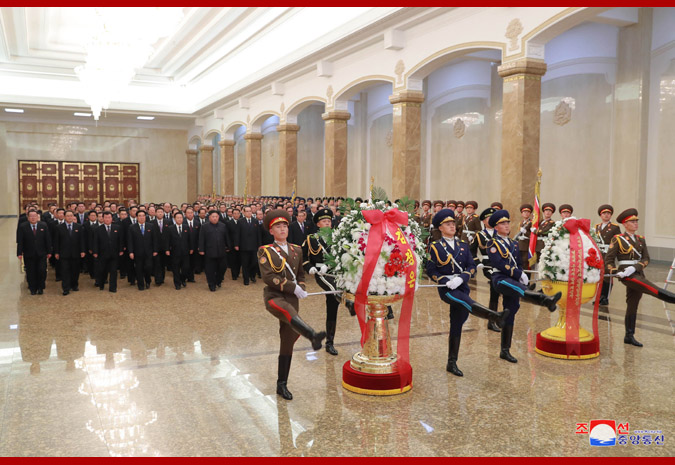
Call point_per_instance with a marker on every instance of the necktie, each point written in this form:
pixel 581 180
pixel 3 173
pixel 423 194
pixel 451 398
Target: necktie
pixel 179 230
pixel 108 228
pixel 249 221
pixel 34 231
pixel 190 223
pixel 160 225
pixel 142 230
pixel 70 229
pixel 302 228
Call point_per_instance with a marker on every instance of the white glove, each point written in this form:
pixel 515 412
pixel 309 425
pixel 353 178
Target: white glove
pixel 627 272
pixel 480 266
pixel 524 279
pixel 299 292
pixel 454 283
pixel 523 231
pixel 313 270
pixel 533 229
pixel 324 269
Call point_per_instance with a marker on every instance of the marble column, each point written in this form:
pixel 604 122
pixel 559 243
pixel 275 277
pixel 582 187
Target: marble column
pixel 335 154
pixel 520 131
pixel 406 144
pixel 253 170
pixel 206 175
pixel 191 174
pixel 226 167
pixel 288 157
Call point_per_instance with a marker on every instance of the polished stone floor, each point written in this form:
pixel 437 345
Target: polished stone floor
pixel 191 372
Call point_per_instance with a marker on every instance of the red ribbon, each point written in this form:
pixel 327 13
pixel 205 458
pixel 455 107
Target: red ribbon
pixel 576 227
pixel 382 222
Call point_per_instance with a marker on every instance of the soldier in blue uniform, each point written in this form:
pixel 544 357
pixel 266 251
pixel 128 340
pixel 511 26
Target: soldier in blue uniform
pixel 509 279
pixel 451 264
pixel 480 242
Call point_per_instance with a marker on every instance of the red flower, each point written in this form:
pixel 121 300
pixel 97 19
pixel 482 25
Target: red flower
pixel 594 259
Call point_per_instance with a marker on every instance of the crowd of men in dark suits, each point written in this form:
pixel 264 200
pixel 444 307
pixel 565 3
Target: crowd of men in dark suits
pixel 142 241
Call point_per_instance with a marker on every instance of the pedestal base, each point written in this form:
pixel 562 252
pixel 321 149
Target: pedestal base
pixel 372 384
pixel 558 349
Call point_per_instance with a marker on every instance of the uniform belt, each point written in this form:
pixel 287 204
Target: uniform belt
pixel 604 248
pixel 627 262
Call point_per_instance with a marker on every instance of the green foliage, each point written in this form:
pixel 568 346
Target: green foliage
pixel 407 204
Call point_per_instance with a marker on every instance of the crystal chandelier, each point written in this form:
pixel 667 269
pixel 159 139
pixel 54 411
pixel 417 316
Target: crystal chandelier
pixel 121 42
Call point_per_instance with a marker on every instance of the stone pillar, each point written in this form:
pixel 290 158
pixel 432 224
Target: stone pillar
pixel 288 157
pixel 520 131
pixel 336 152
pixel 406 144
pixel 253 171
pixel 191 174
pixel 226 167
pixel 206 176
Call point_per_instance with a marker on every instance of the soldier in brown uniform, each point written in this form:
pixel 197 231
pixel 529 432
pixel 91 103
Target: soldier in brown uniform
pixel 606 231
pixel 496 205
pixel 524 232
pixel 545 226
pixel 281 269
pixel 459 219
pixel 435 233
pixel 425 220
pixel 631 255
pixel 471 224
pixel 565 210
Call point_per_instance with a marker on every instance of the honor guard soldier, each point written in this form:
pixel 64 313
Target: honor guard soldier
pixel 606 231
pixel 435 233
pixel 510 280
pixel 565 210
pixel 545 226
pixel 451 264
pixel 312 250
pixel 524 232
pixel 480 242
pixel 629 252
pixel 459 219
pixel 471 224
pixel 452 205
pixel 496 205
pixel 425 220
pixel 281 269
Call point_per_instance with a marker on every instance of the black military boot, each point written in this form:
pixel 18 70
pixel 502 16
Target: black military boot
pixel 496 318
pixel 630 331
pixel 330 335
pixel 507 334
pixel 350 307
pixel 542 299
pixel 303 329
pixel 282 377
pixel 494 305
pixel 390 313
pixel 453 352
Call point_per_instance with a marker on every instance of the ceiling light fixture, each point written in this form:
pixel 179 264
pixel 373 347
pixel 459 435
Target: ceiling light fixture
pixel 82 114
pixel 121 43
pixel 14 110
pixel 147 118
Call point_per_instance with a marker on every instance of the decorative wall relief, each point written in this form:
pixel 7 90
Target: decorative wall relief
pixel 459 128
pixel 399 69
pixel 282 108
pixel 562 114
pixel 513 30
pixel 329 93
pixel 390 138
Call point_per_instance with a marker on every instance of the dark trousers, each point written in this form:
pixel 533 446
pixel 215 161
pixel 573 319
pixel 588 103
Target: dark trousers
pixel 248 263
pixel 460 304
pixel 197 262
pixel 159 269
pixel 512 291
pixel 36 272
pixel 234 263
pixel 604 293
pixel 91 265
pixel 636 285
pixel 180 266
pixel 215 270
pixel 283 307
pixel 107 269
pixel 142 270
pixel 70 273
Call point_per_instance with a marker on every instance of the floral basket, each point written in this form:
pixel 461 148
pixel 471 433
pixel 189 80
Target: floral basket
pixel 348 243
pixel 555 257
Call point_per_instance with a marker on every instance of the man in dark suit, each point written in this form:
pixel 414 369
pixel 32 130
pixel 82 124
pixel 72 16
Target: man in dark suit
pixel 249 241
pixel 214 243
pixel 34 246
pixel 160 260
pixel 68 250
pixel 142 247
pixel 107 249
pixel 81 214
pixel 178 248
pixel 233 259
pixel 193 225
pixel 89 227
pixel 299 229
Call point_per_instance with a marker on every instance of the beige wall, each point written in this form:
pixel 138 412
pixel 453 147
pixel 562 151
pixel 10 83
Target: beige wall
pixel 240 165
pixel 160 153
pixel 381 152
pixel 269 162
pixel 310 152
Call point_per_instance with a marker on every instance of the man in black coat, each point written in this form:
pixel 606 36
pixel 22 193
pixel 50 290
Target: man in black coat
pixel 193 225
pixel 142 247
pixel 178 247
pixel 107 249
pixel 90 225
pixel 297 232
pixel 249 241
pixel 68 251
pixel 160 261
pixel 214 243
pixel 34 245
pixel 233 259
